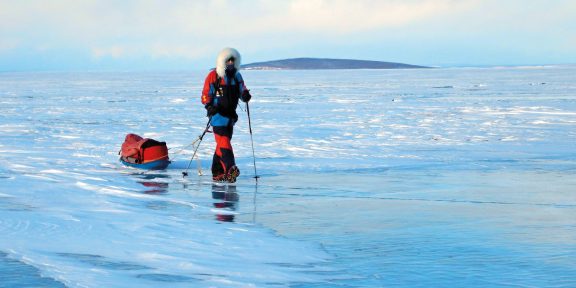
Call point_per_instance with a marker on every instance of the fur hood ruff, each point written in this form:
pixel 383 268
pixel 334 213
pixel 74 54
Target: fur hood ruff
pixel 224 55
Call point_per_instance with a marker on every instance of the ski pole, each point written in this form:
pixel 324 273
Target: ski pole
pixel 252 141
pixel 185 173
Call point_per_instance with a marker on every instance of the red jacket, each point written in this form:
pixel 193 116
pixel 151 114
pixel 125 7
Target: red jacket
pixel 209 90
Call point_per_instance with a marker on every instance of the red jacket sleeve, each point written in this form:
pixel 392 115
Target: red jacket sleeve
pixel 208 92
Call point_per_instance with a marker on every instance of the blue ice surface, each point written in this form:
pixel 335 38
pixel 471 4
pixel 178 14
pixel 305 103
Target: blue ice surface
pixel 368 178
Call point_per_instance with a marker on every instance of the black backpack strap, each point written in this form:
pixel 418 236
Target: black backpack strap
pixel 217 85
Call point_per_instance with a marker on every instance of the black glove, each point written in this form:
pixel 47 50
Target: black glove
pixel 246 96
pixel 210 110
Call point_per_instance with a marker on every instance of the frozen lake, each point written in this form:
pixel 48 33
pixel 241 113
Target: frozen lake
pixel 369 178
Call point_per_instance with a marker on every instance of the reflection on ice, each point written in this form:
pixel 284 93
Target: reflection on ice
pixel 154 187
pixel 225 201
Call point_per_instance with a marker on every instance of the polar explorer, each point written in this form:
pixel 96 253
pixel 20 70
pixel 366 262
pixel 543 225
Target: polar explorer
pixel 223 88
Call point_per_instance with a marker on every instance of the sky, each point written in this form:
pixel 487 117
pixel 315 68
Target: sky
pixel 70 35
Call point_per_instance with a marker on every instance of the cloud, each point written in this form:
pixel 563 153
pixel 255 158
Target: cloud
pixel 8 44
pixel 112 51
pixel 196 30
pixel 189 24
pixel 152 50
pixel 341 16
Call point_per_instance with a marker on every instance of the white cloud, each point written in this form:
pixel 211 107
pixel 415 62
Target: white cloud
pixel 341 16
pixel 198 29
pixel 189 24
pixel 111 51
pixel 8 44
pixel 160 50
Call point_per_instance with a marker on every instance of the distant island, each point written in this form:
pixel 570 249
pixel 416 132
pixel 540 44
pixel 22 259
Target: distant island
pixel 323 63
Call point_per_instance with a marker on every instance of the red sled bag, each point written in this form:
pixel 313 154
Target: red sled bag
pixel 144 152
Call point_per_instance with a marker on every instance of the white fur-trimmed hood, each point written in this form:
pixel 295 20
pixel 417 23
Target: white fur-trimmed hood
pixel 224 55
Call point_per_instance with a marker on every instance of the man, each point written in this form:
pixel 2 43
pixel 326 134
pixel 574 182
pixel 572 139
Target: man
pixel 223 88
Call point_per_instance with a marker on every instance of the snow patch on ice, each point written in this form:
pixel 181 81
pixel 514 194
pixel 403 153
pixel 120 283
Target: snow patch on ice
pixel 178 100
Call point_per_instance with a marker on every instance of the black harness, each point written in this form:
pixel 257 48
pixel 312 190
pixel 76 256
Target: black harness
pixel 228 97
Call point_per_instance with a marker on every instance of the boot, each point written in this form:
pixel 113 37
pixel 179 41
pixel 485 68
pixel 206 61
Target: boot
pixel 232 174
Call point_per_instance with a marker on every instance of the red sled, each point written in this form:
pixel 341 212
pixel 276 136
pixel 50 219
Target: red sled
pixel 144 153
